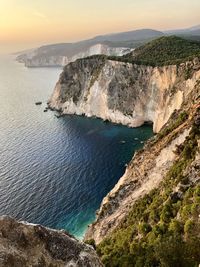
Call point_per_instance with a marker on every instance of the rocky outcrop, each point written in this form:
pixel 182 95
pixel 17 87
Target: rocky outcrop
pixel 45 57
pixel 124 93
pixel 29 245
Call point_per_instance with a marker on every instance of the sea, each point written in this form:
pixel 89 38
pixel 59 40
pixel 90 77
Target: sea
pixel 55 171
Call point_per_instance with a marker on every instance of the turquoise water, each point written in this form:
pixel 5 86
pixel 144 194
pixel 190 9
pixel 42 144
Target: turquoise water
pixel 54 171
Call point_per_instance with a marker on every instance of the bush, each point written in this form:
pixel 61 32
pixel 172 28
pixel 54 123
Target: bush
pixel 189 227
pixel 144 228
pixel 175 226
pixel 166 213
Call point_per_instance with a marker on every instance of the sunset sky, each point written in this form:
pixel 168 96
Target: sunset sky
pixel 29 23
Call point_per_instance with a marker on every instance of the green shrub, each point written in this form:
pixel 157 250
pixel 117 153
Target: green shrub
pixel 189 227
pixel 186 211
pixel 197 192
pixel 175 226
pixel 166 213
pixel 144 228
pixel 159 229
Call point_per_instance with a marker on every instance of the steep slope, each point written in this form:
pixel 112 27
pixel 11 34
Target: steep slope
pixel 62 54
pixel 26 245
pixel 113 89
pixel 151 217
pixel 148 168
pixel 164 51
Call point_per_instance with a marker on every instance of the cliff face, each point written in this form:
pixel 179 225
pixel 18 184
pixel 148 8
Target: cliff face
pixel 42 57
pixel 150 167
pixel 122 92
pixel 23 244
pixel 33 60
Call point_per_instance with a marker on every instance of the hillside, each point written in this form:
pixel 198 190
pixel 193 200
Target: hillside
pixel 163 51
pixel 191 31
pixel 142 34
pixel 63 54
pixel 162 227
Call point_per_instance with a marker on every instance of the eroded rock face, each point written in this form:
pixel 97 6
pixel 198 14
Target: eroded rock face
pixel 122 92
pixel 29 245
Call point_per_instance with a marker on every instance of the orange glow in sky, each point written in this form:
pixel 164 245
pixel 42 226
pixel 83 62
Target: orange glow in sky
pixel 27 23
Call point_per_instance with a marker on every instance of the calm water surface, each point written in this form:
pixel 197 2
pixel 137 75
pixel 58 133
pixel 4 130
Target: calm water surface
pixel 55 171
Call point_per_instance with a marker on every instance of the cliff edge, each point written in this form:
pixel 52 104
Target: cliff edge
pixel 149 167
pixel 28 245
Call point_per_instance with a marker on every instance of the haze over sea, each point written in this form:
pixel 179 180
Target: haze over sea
pixel 54 171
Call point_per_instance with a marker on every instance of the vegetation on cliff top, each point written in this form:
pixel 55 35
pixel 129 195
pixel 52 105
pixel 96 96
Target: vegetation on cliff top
pixel 165 51
pixel 163 227
pixel 171 50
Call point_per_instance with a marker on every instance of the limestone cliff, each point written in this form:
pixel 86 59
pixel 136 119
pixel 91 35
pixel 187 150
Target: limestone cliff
pixel 28 245
pixel 150 166
pixel 122 92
